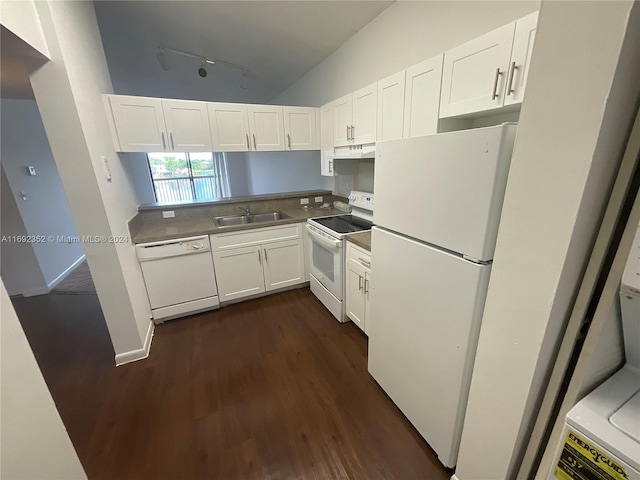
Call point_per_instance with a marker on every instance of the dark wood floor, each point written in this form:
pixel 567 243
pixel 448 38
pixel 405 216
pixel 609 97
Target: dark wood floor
pixel 272 388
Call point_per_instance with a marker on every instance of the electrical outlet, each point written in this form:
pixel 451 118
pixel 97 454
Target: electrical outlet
pixel 318 199
pixel 304 201
pixel 168 214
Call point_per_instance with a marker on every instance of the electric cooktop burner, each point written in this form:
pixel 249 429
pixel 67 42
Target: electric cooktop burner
pixel 344 223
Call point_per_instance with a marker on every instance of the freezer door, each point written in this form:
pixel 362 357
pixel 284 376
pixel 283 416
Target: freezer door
pixel 445 189
pixel 425 314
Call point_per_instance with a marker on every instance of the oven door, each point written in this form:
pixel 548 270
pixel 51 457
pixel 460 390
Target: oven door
pixel 326 260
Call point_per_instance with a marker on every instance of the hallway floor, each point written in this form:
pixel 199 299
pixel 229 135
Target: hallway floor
pixel 272 388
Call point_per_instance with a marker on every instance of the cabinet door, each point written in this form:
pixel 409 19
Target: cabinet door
pixel 266 126
pixel 343 119
pixel 187 125
pixel 229 124
pixel 239 272
pixel 300 128
pixel 422 98
pixel 283 264
pixel 367 292
pixel 139 123
pixel 475 73
pixel 326 138
pixel 355 298
pixel 365 106
pixel 523 40
pixel 391 93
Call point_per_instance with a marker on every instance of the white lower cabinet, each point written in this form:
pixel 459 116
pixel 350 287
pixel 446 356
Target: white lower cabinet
pixel 239 272
pixel 358 285
pixel 255 261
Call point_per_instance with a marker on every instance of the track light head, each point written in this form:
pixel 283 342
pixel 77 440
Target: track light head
pixel 202 71
pixel 244 81
pixel 162 59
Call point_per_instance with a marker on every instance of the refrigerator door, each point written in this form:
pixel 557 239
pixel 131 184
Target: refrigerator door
pixel 445 189
pixel 423 333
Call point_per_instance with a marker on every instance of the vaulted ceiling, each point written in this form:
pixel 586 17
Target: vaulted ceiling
pixel 278 41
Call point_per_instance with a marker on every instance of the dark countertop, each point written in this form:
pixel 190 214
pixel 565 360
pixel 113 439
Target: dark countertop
pixel 156 232
pixel 361 239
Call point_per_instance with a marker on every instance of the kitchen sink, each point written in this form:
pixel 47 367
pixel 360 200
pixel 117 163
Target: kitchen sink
pixel 235 220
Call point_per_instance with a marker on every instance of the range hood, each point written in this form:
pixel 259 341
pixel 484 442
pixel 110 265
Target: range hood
pixel 355 152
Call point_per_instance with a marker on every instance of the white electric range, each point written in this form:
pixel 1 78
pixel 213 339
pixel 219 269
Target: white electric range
pixel 327 251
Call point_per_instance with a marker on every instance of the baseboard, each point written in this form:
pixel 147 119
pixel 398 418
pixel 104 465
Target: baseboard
pixel 134 355
pixel 64 274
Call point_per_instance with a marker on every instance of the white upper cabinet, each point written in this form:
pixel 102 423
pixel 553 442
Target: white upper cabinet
pixel 300 128
pixel 365 105
pixel 355 117
pixel 145 124
pixel 521 58
pixel 422 98
pixel 342 120
pixel 391 93
pixel 326 139
pixel 229 127
pixel 490 71
pixel 187 125
pixel 138 123
pixel 475 74
pixel 266 124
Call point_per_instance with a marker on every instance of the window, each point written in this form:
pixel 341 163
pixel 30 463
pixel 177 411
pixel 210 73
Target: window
pixel 188 176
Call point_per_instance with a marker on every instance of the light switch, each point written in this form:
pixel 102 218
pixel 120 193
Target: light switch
pixel 32 170
pixel 168 214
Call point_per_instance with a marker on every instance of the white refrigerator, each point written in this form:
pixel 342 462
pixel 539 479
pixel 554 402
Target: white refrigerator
pixel 438 205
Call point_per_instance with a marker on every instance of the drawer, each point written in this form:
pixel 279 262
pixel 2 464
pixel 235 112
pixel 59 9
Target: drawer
pixel 256 236
pixel 358 256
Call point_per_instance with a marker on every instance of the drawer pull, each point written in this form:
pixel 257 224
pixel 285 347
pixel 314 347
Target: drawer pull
pixel 364 262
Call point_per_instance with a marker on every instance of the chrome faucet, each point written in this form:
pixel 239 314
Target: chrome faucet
pixel 246 210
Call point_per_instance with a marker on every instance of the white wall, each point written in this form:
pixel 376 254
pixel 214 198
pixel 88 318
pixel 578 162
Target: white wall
pixel 20 270
pixel 45 211
pixel 238 176
pixel 68 91
pixel 275 172
pixel 21 17
pixel 572 132
pixel 403 35
pixel 33 440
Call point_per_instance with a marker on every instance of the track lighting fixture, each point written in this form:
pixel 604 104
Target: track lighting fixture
pixel 162 59
pixel 244 81
pixel 202 70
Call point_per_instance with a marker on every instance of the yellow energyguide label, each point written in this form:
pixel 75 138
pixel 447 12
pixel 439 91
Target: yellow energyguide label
pixel 581 460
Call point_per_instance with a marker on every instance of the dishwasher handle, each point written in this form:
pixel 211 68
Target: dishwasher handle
pixel 172 248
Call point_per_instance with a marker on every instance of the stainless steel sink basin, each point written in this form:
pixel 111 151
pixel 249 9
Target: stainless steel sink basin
pixel 234 220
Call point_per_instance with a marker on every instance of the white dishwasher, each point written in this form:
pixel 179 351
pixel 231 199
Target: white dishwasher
pixel 179 277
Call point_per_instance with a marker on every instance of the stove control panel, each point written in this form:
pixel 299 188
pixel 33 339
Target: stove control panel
pixel 362 200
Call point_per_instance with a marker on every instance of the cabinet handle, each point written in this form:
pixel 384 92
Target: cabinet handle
pixel 265 255
pixel 164 145
pixel 330 166
pixel 259 257
pixel 248 143
pixel 495 84
pixel 366 287
pixel 289 140
pixel 359 283
pixel 255 145
pixel 348 130
pixel 364 262
pixel 353 135
pixel 510 90
pixel 173 147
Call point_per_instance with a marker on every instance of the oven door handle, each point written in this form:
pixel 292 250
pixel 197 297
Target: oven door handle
pixel 315 237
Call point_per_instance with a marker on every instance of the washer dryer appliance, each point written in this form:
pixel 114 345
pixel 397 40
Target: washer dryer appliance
pixel 601 436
